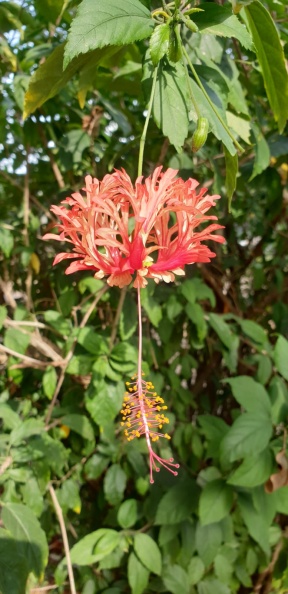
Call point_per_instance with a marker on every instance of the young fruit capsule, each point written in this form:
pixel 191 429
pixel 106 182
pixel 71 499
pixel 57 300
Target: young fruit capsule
pixel 200 135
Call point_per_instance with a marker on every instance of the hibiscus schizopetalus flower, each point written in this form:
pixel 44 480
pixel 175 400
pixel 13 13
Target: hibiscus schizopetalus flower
pixel 128 233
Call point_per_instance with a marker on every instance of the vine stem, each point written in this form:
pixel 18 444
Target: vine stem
pixel 59 514
pixel 144 133
pixel 235 142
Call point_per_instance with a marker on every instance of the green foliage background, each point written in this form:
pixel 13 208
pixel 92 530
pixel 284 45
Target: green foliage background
pixel 215 344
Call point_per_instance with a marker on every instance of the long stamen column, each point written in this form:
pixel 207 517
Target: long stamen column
pixel 143 411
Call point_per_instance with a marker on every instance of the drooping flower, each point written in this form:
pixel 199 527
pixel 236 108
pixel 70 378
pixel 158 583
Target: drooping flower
pixel 149 230
pixel 125 232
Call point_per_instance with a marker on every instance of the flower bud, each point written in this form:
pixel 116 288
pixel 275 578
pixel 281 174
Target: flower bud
pixel 200 135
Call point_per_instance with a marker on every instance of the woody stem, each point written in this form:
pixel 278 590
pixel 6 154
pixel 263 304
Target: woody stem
pixel 144 133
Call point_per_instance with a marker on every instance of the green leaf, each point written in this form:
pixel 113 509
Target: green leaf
pixel 95 546
pixel 167 533
pixel 253 330
pixel 80 424
pixel 114 484
pixel 281 356
pixel 279 399
pixel 49 381
pixel 69 497
pixel 215 502
pixel 25 528
pixel 6 242
pixel 128 318
pixel 16 341
pixel 270 55
pixel 257 528
pixel 138 575
pixel 240 126
pixel 212 586
pixel 222 329
pixel 194 289
pixel 253 471
pixel 14 567
pixel 250 394
pixel 196 570
pixel 217 20
pixel 177 504
pixel 127 513
pixel 176 580
pixel 249 434
pixel 223 567
pixel 170 100
pixel 231 164
pixel 262 153
pixel 92 342
pixel 159 42
pixel 148 552
pixel 208 541
pixel 195 313
pixel 10 418
pixel 49 77
pixel 97 25
pixel 282 500
pixel 27 428
pixel 103 401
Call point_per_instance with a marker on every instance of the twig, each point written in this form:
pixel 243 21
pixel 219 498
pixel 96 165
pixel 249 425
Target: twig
pixel 268 571
pixel 7 462
pixel 33 362
pixel 59 514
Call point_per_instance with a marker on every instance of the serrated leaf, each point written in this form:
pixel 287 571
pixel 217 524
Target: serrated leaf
pixel 99 24
pixel 24 527
pixel 159 42
pixel 49 381
pixel 231 165
pixel 27 428
pixel 80 424
pixel 262 153
pixel 49 77
pixel 271 58
pixel 138 575
pixel 281 356
pixel 170 101
pixel 250 394
pixel 257 528
pixel 218 20
pixel 177 504
pixel 249 434
pixel 14 568
pixel 215 502
pixel 253 471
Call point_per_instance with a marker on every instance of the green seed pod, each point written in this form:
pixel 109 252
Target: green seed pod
pixel 200 135
pixel 190 25
pixel 174 49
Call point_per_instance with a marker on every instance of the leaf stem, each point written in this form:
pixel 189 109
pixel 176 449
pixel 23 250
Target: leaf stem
pixel 59 514
pixel 235 142
pixel 144 133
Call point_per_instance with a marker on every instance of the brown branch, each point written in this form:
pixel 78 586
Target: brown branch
pixel 59 514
